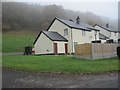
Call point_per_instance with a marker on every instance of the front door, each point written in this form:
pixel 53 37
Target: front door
pixel 55 48
pixel 66 48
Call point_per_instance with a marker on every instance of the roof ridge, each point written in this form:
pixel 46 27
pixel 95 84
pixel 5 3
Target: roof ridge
pixel 109 29
pixel 71 24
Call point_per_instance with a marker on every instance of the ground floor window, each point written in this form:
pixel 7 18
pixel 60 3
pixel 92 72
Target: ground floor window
pixel 75 43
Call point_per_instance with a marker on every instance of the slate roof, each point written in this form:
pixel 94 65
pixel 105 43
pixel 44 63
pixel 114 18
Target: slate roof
pixel 101 36
pixel 108 29
pixel 54 36
pixel 73 24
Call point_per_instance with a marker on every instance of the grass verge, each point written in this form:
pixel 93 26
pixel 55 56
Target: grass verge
pixel 59 64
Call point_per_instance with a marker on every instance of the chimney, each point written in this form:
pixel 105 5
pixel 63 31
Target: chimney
pixel 78 20
pixel 107 25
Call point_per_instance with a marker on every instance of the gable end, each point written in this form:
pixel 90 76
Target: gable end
pixel 59 21
pixel 37 37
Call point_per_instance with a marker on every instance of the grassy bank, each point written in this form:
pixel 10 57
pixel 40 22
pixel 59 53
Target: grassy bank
pixel 59 63
pixel 16 42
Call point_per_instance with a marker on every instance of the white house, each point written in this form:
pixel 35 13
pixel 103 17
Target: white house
pixel 49 42
pixel 107 33
pixel 62 35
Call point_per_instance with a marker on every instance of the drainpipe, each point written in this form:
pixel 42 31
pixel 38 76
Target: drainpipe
pixel 119 38
pixel 95 37
pixel 71 40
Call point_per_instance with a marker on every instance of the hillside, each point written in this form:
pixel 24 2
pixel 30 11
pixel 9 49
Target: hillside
pixel 36 17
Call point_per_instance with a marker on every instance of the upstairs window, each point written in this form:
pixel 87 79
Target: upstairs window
pixel 65 32
pixel 83 32
pixel 95 32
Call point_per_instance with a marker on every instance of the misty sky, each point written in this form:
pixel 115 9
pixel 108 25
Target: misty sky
pixel 105 9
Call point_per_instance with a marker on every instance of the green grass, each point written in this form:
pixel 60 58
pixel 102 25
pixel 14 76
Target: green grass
pixel 59 63
pixel 16 42
pixel 0 60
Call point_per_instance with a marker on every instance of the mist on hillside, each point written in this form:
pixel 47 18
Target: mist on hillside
pixel 36 17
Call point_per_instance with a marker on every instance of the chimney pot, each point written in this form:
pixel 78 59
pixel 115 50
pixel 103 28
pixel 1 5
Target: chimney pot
pixel 71 20
pixel 107 25
pixel 78 20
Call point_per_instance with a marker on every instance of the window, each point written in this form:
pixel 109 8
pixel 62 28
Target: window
pixel 95 32
pixel 115 41
pixel 65 32
pixel 83 33
pixel 75 43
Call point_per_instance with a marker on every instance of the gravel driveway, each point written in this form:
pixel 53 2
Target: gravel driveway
pixel 25 80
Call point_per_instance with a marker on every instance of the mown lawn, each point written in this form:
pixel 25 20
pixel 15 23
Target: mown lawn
pixel 0 60
pixel 59 63
pixel 16 42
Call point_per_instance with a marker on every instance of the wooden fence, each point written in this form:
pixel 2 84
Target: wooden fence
pixel 96 50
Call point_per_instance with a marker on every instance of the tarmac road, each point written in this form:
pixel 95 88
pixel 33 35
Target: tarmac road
pixel 12 79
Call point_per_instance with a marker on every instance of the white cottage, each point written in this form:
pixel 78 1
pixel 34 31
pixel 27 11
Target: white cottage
pixel 49 42
pixel 62 35
pixel 107 33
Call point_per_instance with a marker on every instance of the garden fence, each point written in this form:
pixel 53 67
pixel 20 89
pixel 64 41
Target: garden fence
pixel 96 50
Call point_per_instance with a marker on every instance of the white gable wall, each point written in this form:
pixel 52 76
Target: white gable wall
pixel 103 31
pixel 107 33
pixel 113 36
pixel 80 39
pixel 43 45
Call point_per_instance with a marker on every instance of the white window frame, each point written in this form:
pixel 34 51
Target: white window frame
pixel 95 32
pixel 65 32
pixel 83 33
pixel 75 43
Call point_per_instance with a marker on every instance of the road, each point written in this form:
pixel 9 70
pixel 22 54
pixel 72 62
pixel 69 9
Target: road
pixel 26 80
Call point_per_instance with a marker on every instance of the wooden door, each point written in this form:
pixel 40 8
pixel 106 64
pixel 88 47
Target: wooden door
pixel 66 48
pixel 55 49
